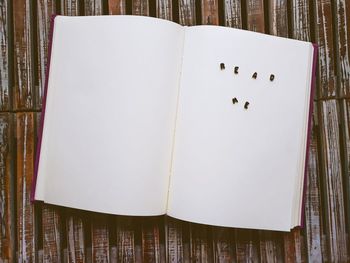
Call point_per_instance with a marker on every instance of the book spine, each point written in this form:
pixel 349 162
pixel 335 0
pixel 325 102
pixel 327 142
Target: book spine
pixel 40 130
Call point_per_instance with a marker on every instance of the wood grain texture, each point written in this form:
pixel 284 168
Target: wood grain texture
pixel 342 28
pixel 324 38
pixel 164 9
pixel 45 9
pixel 294 247
pixel 151 250
pixel 116 7
pixel 23 59
pixel 140 7
pixel 246 242
pixel 187 12
pixel 313 204
pixel 271 246
pixel 300 12
pixel 100 239
pixel 210 12
pixel 333 181
pixel 51 232
pixel 233 13
pixel 125 240
pixel 345 124
pixel 200 243
pixel 4 56
pixel 7 219
pixel 93 7
pixel 26 239
pixel 278 17
pixel 255 15
pixel 223 244
pixel 75 238
pixel 70 7
pixel 174 241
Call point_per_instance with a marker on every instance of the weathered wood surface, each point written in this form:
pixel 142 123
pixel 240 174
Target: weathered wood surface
pixel 126 240
pixel 4 56
pixel 66 235
pixel 313 204
pixel 51 231
pixel 233 13
pixel 326 87
pixel 45 9
pixel 23 59
pixel 301 27
pixel 151 239
pixel 26 231
pixel 174 241
pixel 278 15
pixel 200 243
pixel 116 7
pixel 93 7
pixel 333 181
pixel 255 15
pixel 187 12
pixel 223 244
pixel 140 7
pixel 7 237
pixel 342 29
pixel 70 7
pixel 75 238
pixel 164 9
pixel 246 244
pixel 100 239
pixel 210 12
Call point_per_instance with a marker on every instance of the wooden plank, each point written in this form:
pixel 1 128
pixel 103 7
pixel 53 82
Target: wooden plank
pixel 342 28
pixel 255 15
pixel 345 125
pixel 333 181
pixel 294 247
pixel 313 204
pixel 187 12
pixel 116 7
pixel 4 57
pixel 300 20
pixel 93 7
pixel 233 13
pixel 174 240
pixel 45 9
pixel 23 60
pixel 164 9
pixel 100 239
pixel 75 238
pixel 271 246
pixel 324 38
pixel 151 240
pixel 246 245
pixel 6 190
pixel 140 7
pixel 223 244
pixel 125 240
pixel 51 227
pixel 210 12
pixel 278 18
pixel 26 239
pixel 70 7
pixel 200 243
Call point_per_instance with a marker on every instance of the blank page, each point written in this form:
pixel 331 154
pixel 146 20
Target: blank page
pixel 110 114
pixel 233 166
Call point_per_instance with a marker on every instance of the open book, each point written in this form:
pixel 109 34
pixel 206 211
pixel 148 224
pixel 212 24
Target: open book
pixel 146 117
